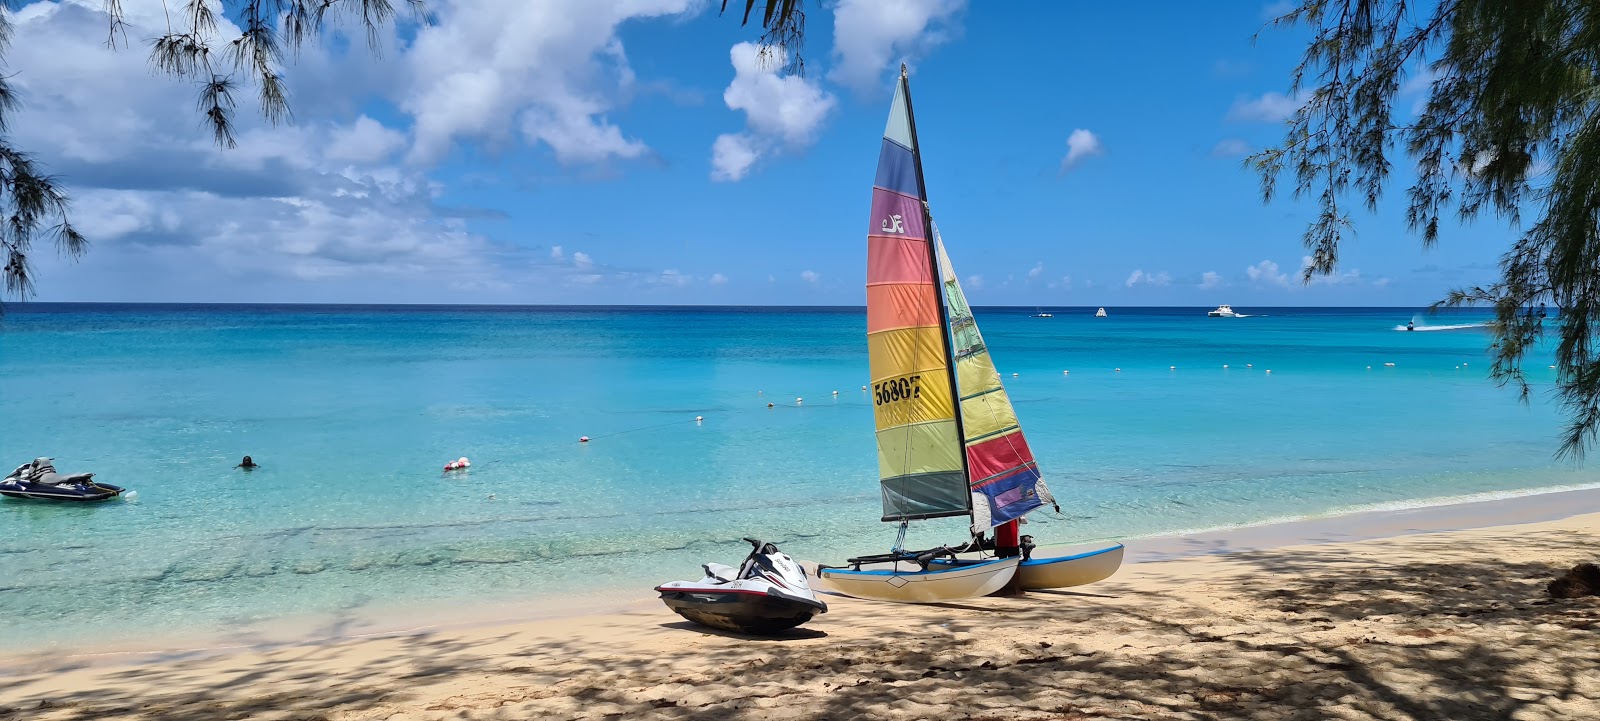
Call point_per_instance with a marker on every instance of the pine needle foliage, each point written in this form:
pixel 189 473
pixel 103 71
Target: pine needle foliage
pixel 784 23
pixel 192 49
pixel 1511 126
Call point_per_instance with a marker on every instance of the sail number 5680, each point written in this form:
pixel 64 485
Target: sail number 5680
pixel 899 389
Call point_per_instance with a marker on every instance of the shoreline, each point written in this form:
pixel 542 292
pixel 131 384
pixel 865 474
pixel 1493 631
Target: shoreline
pixel 402 619
pixel 1440 624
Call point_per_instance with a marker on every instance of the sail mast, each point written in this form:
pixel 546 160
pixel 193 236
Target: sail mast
pixel 933 266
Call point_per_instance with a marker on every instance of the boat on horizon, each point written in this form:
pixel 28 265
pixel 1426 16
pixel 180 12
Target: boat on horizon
pixel 1100 313
pixel 949 442
pixel 1222 311
pixel 1041 314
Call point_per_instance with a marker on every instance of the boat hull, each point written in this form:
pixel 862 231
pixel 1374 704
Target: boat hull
pixel 935 585
pixel 1038 574
pixel 741 611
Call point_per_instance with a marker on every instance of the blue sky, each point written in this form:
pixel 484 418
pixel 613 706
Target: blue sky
pixel 568 151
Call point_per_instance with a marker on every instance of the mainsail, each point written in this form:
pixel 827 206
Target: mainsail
pixel 1004 479
pixel 920 463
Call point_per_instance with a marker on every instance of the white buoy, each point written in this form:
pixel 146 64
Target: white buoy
pixel 863 387
pixel 836 392
pixel 1013 375
pixel 1119 370
pixel 1065 372
pixel 583 439
pixel 1224 365
pixel 1249 365
pixel 769 405
pixel 1369 368
pixel 130 495
pixel 1552 367
pixel 1269 370
pixel 1172 368
pixel 758 393
pixel 697 419
pixel 1388 365
pixel 799 400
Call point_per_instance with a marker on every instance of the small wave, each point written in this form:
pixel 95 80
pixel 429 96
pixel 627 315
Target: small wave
pixel 1457 326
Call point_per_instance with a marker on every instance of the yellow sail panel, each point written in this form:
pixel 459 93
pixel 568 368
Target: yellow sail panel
pixel 909 398
pixel 919 449
pixel 897 352
pixel 987 416
pixel 976 373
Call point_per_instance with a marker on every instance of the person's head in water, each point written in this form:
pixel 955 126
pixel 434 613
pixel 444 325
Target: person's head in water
pixel 247 463
pixel 1411 324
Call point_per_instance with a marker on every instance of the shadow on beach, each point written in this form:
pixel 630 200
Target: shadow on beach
pixel 1432 628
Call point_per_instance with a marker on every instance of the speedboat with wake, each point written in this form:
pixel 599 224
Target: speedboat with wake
pixel 39 480
pixel 768 593
pixel 1222 311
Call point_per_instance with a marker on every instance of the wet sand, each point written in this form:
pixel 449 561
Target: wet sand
pixel 1436 625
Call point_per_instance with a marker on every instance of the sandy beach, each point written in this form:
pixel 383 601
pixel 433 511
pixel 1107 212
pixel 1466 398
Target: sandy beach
pixel 1445 624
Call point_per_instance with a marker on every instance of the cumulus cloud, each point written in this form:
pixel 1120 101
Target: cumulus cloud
pixel 1036 271
pixel 1382 282
pixel 323 207
pixel 1267 108
pixel 546 72
pixel 1266 273
pixel 975 282
pixel 365 142
pixel 1230 148
pixel 1139 277
pixel 781 112
pixel 1348 277
pixel 718 279
pixel 870 36
pixel 1080 144
pixel 1209 280
pixel 809 276
pixel 1066 282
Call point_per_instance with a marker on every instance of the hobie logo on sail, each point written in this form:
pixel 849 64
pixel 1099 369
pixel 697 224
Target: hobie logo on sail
pixel 894 224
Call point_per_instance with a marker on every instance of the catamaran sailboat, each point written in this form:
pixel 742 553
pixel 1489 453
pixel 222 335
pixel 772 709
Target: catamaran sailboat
pixel 928 361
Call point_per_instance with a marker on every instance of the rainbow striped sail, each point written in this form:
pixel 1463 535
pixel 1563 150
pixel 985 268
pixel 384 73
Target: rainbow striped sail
pixel 1003 476
pixel 920 463
pixel 933 462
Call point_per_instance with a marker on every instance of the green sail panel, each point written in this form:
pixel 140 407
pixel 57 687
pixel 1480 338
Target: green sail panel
pixel 1003 478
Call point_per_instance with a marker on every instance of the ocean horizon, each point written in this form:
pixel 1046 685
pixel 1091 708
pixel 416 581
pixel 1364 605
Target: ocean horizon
pixel 1153 421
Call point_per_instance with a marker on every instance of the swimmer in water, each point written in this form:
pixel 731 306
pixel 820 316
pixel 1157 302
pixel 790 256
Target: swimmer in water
pixel 248 464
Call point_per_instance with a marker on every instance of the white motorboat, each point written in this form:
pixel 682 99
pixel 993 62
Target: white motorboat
pixel 1222 311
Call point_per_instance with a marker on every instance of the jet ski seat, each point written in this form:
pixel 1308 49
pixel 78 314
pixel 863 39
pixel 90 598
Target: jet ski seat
pixel 54 478
pixel 721 571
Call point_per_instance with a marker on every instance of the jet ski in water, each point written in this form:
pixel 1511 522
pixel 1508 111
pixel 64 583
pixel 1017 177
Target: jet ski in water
pixel 40 480
pixel 768 593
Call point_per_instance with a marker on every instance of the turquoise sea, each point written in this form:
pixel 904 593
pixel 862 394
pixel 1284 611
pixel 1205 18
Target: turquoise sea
pixel 353 410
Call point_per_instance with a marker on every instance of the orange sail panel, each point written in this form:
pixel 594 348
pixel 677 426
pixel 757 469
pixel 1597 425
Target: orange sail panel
pixel 1004 478
pixel 920 459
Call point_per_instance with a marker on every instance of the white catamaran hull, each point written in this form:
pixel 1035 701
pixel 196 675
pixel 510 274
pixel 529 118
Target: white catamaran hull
pixel 1037 574
pixel 936 585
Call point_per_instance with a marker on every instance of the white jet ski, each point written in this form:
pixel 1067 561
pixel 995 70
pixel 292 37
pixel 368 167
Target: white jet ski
pixel 768 593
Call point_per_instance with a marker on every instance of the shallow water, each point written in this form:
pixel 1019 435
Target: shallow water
pixel 352 412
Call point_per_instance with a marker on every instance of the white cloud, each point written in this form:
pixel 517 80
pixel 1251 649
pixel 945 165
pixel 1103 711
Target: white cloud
pixel 1266 273
pixel 1209 280
pixel 975 282
pixel 365 142
pixel 1382 282
pixel 781 112
pixel 872 35
pixel 732 156
pixel 1139 277
pixel 1066 282
pixel 671 277
pixel 1276 9
pixel 1349 277
pixel 555 252
pixel 1230 148
pixel 718 279
pixel 547 72
pixel 809 276
pixel 582 261
pixel 1035 271
pixel 1268 108
pixel 1080 144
